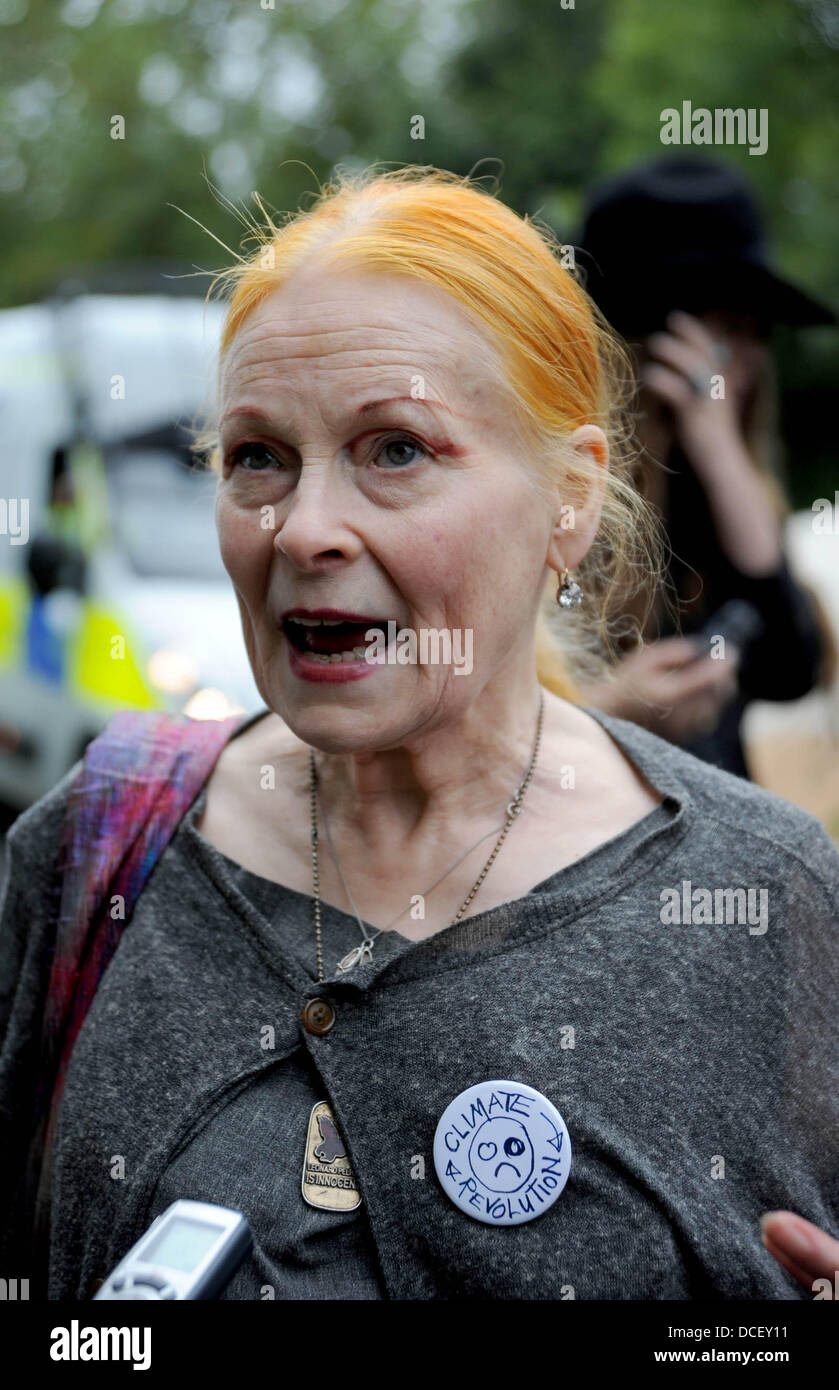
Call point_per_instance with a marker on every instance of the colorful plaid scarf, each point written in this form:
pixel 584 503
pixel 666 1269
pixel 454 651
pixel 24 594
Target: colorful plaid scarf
pixel 138 778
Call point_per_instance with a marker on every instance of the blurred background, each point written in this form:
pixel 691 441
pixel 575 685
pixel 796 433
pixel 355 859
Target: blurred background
pixel 123 120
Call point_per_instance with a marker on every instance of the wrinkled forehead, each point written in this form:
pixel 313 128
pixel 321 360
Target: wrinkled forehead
pixel 341 333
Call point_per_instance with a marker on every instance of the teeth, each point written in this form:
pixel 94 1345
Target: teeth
pixel 331 658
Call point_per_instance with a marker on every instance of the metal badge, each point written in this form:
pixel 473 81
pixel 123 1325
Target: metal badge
pixel 328 1180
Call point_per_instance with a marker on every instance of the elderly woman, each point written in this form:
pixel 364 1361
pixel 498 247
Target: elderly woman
pixel 454 988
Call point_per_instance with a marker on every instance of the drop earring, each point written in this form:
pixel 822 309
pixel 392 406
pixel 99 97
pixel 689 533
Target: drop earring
pixel 568 594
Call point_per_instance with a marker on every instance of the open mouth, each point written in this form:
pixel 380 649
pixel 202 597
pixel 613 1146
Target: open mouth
pixel 331 640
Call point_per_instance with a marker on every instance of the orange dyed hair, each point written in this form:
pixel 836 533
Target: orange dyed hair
pixel 560 363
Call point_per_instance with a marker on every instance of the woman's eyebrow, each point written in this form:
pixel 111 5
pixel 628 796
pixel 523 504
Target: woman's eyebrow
pixel 245 412
pixel 412 400
pixel 249 412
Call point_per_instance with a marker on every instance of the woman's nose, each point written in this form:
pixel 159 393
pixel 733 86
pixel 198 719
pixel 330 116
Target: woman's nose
pixel 317 524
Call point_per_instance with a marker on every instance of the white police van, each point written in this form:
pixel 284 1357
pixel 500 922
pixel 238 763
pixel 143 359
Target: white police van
pixel 112 590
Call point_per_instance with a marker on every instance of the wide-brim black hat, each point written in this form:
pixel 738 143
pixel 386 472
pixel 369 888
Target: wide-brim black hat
pixel 683 234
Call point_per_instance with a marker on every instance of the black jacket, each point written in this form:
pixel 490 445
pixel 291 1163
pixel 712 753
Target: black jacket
pixel 783 662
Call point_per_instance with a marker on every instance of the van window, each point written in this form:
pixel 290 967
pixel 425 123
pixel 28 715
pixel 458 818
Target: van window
pixel 162 512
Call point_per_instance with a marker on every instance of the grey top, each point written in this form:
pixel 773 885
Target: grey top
pixel 695 1062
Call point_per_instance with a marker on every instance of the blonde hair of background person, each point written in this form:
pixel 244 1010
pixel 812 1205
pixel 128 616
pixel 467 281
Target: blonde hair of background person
pixel 562 362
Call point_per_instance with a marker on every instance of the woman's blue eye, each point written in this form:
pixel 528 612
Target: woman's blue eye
pixel 259 451
pixel 401 442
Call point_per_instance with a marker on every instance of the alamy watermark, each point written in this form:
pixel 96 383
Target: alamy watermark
pixel 826 516
pixel 79 1342
pixel 725 125
pixel 14 519
pixel 688 906
pixel 431 646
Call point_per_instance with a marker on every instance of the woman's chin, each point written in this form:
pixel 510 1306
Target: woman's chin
pixel 325 721
pixel 330 734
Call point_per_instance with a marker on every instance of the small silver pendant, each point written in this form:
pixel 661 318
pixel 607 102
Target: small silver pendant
pixel 570 595
pixel 353 957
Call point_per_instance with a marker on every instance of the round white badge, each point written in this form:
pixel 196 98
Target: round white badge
pixel 502 1152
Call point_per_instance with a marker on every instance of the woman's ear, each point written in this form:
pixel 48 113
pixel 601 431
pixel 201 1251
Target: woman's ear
pixel 580 498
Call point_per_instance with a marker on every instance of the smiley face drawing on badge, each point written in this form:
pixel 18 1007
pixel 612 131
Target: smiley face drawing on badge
pixel 501 1155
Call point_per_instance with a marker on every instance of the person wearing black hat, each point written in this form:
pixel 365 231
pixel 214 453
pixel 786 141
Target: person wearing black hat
pixel 674 256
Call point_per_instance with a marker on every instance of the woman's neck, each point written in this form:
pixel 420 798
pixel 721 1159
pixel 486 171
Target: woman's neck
pixel 462 771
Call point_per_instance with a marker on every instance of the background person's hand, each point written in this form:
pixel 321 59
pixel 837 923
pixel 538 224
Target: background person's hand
pixel 680 370
pixel 664 687
pixel 807 1251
